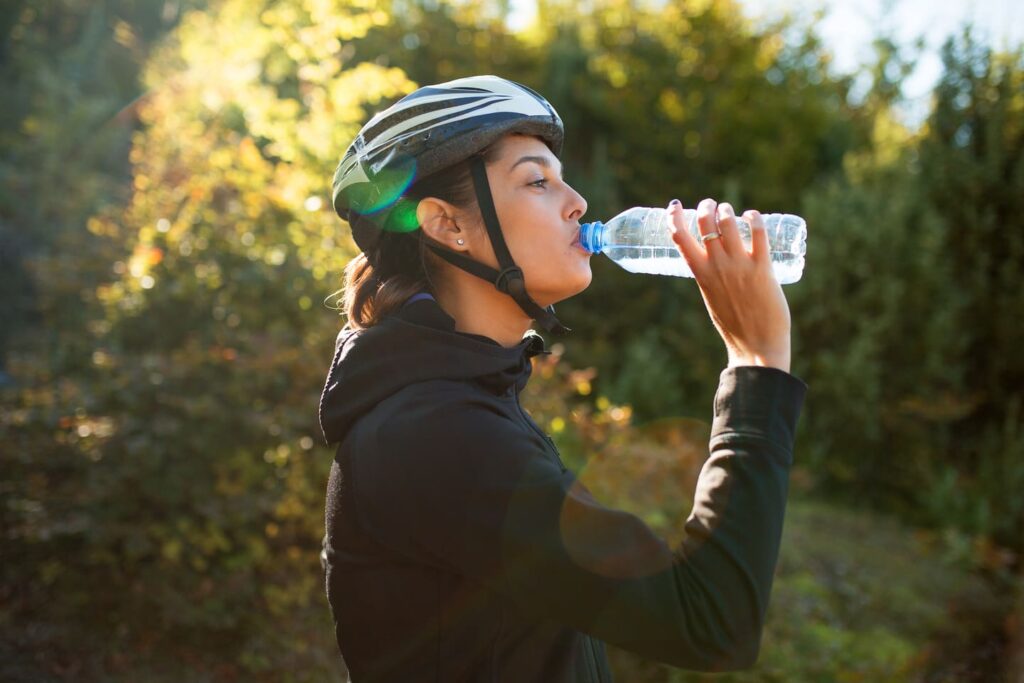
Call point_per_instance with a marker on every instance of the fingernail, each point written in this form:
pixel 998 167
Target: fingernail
pixel 675 202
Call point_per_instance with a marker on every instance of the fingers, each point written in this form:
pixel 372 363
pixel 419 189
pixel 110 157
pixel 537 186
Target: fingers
pixel 707 223
pixel 731 240
pixel 719 221
pixel 760 249
pixel 684 239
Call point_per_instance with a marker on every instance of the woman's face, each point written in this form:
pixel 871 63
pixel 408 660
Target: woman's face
pixel 540 219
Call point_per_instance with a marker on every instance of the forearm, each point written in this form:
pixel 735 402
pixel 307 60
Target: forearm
pixel 735 527
pixel 705 610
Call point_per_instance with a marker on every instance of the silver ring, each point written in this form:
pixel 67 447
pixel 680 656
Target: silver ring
pixel 704 239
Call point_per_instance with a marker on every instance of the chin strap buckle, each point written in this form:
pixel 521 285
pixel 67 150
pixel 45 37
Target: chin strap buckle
pixel 510 281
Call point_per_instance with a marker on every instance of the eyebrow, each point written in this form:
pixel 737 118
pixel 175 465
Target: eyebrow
pixel 543 161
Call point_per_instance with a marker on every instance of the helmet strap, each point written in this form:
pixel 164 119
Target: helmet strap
pixel 509 280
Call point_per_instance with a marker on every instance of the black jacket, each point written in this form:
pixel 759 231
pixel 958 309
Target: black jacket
pixel 458 546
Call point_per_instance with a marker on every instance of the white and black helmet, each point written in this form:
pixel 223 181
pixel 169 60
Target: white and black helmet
pixel 435 127
pixel 431 129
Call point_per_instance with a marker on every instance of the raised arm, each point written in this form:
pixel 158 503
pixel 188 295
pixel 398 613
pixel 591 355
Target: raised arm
pixel 466 488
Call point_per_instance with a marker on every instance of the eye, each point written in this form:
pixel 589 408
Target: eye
pixel 539 183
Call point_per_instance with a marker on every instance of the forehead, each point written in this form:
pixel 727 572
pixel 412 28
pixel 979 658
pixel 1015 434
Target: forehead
pixel 513 148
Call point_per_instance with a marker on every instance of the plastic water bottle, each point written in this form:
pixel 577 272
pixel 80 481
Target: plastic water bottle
pixel 640 241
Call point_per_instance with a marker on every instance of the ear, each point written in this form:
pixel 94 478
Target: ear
pixel 437 219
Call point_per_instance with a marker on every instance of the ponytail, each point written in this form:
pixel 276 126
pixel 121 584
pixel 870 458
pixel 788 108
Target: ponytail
pixel 372 292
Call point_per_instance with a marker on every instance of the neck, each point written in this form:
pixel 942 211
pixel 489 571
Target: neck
pixel 479 308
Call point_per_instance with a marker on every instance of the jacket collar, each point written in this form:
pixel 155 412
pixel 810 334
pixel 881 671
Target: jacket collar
pixel 417 343
pixel 423 309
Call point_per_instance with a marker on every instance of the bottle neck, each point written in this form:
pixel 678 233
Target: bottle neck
pixel 592 236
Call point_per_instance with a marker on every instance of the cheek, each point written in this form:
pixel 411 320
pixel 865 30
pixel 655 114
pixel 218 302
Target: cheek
pixel 525 233
pixel 540 245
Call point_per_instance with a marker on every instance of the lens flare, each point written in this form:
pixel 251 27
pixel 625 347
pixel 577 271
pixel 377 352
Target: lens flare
pixel 402 218
pixel 383 189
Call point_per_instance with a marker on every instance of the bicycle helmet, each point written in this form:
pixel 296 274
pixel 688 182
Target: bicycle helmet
pixel 435 127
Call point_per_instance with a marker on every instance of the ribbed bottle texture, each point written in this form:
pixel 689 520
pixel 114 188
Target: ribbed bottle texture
pixel 640 241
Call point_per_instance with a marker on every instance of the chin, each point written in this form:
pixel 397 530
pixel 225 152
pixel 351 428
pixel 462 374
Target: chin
pixel 568 287
pixel 583 282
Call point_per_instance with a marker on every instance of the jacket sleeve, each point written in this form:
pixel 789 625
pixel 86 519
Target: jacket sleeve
pixel 455 484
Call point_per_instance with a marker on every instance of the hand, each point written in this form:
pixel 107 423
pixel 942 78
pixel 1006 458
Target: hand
pixel 742 296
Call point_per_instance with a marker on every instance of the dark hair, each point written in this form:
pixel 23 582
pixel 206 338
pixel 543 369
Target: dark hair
pixel 400 264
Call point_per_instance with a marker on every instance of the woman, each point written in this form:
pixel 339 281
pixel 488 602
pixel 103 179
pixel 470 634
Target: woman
pixel 458 547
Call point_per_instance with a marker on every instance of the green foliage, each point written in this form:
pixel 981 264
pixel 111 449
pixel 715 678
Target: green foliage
pixel 911 322
pixel 69 75
pixel 883 248
pixel 173 462
pixel 649 381
pixel 972 156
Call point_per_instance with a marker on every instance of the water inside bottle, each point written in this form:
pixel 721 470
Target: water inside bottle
pixel 653 260
pixel 788 267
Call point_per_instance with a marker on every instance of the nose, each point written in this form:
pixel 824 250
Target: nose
pixel 577 205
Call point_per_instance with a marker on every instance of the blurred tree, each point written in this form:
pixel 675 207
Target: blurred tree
pixel 69 77
pixel 909 330
pixel 174 462
pixel 972 156
pixel 68 71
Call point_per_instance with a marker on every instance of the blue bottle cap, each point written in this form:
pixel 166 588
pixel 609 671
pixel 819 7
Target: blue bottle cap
pixel 590 236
